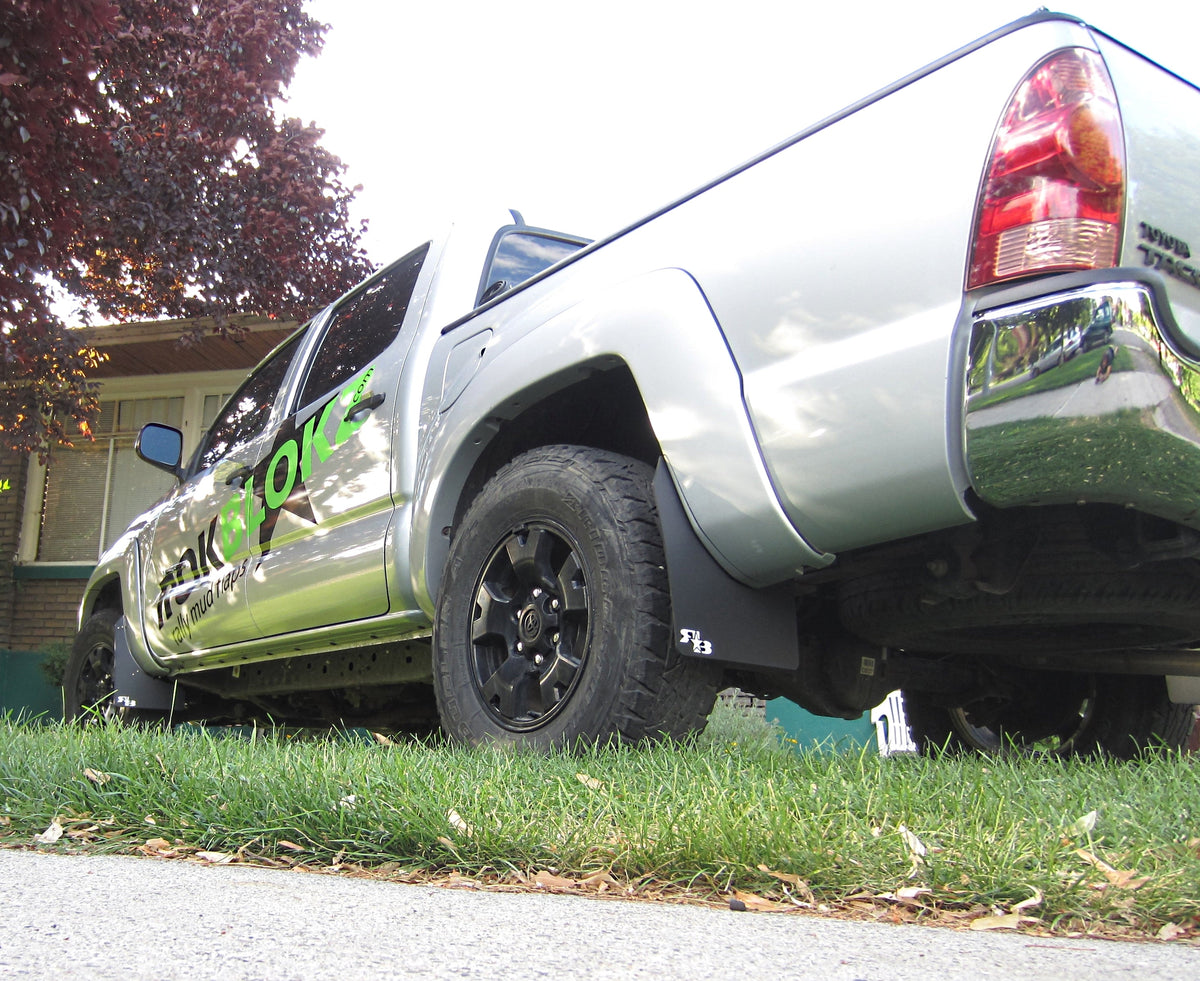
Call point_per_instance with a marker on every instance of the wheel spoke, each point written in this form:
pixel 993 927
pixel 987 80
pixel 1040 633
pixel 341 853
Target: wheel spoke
pixel 555 681
pixel 494 615
pixel 570 586
pixel 508 688
pixel 530 552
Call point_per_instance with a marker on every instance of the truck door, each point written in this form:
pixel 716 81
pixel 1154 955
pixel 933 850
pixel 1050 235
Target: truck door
pixel 325 482
pixel 199 554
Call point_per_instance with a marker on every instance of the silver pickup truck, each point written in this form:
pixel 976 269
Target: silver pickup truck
pixel 908 401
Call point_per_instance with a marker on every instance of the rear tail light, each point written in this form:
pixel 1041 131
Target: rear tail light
pixel 1055 185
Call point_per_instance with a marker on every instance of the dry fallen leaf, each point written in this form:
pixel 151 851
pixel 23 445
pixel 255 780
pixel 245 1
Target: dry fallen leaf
pixel 548 880
pixel 291 846
pixel 96 776
pixel 1031 902
pixel 590 782
pixel 1006 921
pixel 83 833
pixel 791 877
pixel 458 824
pixel 804 892
pixel 599 881
pixel 1121 878
pixel 751 901
pixel 215 858
pixel 51 834
pixel 457 881
pixel 1171 931
pixel 916 847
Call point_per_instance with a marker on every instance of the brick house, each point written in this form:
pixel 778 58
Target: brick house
pixel 57 517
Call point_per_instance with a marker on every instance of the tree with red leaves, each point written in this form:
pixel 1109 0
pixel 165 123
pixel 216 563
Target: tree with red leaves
pixel 145 172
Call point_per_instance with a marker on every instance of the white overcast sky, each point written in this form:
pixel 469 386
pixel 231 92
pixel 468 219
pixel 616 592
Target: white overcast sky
pixel 587 116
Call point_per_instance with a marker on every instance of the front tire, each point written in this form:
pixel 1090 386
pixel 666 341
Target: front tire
pixel 88 682
pixel 553 624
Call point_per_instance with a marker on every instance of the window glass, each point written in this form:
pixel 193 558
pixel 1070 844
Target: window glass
pixel 248 411
pixel 212 405
pixel 94 490
pixel 363 326
pixel 521 255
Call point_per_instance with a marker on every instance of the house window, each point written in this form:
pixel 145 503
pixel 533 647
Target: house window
pixel 93 490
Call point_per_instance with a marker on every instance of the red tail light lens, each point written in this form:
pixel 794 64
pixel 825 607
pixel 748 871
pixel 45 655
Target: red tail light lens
pixel 1055 183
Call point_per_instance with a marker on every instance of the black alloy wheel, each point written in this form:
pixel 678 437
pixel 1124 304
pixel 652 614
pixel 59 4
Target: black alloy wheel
pixel 529 634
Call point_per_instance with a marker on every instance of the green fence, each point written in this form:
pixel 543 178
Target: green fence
pixel 24 688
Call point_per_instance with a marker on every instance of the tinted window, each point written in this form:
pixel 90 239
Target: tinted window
pixel 520 255
pixel 249 408
pixel 363 326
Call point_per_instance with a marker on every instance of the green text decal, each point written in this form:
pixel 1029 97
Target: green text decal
pixel 277 483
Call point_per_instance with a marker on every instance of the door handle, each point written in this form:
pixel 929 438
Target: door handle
pixel 366 404
pixel 239 475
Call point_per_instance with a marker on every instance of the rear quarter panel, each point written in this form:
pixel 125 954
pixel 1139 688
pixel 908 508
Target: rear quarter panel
pixel 832 273
pixel 836 269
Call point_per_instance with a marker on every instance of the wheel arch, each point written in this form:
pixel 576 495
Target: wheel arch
pixel 597 406
pixel 603 410
pixel 102 594
pixel 641 368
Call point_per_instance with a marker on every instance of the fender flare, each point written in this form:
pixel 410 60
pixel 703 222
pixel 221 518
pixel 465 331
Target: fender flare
pixel 660 326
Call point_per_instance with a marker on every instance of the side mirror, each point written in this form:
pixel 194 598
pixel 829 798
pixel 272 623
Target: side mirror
pixel 160 446
pixel 493 291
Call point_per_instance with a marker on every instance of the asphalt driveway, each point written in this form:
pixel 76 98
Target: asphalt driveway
pixel 133 919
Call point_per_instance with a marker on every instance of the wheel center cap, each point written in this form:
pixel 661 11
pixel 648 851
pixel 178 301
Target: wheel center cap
pixel 530 625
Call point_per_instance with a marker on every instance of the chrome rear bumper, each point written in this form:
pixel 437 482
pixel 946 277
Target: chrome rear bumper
pixel 1045 425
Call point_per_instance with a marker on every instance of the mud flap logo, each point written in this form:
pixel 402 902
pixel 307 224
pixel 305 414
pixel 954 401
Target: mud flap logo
pixel 700 646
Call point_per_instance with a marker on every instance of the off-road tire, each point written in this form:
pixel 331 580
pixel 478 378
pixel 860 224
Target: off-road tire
pixel 88 685
pixel 553 624
pixel 1119 716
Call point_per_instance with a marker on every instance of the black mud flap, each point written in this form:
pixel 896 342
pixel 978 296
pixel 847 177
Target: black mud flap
pixel 134 688
pixel 716 617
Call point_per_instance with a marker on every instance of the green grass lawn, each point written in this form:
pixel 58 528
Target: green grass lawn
pixel 1080 368
pixel 1091 847
pixel 1115 459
